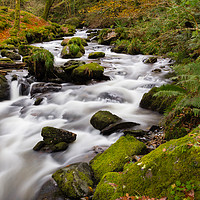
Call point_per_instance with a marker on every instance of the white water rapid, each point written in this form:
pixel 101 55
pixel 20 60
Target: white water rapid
pixel 23 171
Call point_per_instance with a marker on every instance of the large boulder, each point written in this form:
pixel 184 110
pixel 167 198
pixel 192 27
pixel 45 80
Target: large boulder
pixel 106 36
pixel 116 156
pixel 4 88
pixel 172 170
pixel 75 180
pixel 54 140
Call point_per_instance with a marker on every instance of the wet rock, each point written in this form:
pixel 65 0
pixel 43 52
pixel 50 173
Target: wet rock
pixel 135 133
pixel 75 180
pixel 54 140
pixel 4 88
pixel 38 101
pixel 50 191
pixel 94 55
pixel 103 119
pixel 14 77
pixel 10 54
pixel 111 97
pixel 45 87
pixel 150 60
pixel 118 126
pixel 5 61
pixel 157 70
pixel 116 156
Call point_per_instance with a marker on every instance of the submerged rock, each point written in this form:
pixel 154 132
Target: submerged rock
pixel 75 180
pixel 45 87
pixel 54 140
pixel 116 156
pixel 150 60
pixel 172 170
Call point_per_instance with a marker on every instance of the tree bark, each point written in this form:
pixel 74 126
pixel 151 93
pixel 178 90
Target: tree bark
pixel 48 5
pixel 17 15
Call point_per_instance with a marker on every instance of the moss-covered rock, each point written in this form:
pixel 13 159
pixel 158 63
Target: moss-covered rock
pixel 107 36
pixel 157 103
pixel 40 64
pixel 75 180
pixel 102 119
pixel 71 51
pixel 115 157
pixel 26 50
pixel 10 54
pixel 87 72
pixel 65 42
pixel 96 55
pixel 4 88
pixel 172 170
pixel 54 140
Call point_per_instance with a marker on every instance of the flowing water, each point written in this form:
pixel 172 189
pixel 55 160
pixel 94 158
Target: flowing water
pixel 23 171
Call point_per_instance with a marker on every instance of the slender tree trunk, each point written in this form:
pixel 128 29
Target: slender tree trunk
pixel 17 15
pixel 48 5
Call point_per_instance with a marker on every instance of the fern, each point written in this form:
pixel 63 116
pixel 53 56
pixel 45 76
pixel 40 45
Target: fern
pixel 168 93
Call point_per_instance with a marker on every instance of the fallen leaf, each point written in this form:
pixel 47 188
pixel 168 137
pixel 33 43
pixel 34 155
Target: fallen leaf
pixel 164 150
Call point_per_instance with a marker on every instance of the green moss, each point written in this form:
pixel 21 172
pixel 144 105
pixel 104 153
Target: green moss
pixel 96 55
pixel 6 60
pixel 102 119
pixel 75 181
pixel 156 172
pixel 115 157
pixel 74 49
pixel 60 147
pixel 87 72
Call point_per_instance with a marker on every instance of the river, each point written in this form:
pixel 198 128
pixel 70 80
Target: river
pixel 23 171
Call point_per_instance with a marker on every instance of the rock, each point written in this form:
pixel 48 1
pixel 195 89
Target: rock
pixel 26 50
pixel 172 170
pixel 157 70
pixel 40 64
pixel 71 65
pixel 111 97
pixel 10 54
pixel 135 133
pixel 116 156
pixel 71 51
pixel 106 36
pixel 75 180
pixel 118 126
pixel 54 140
pixel 103 119
pixel 96 55
pixel 4 88
pixel 50 191
pixel 87 72
pixel 45 87
pixel 150 60
pixel 38 101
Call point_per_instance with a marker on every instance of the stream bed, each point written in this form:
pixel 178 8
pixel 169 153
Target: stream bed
pixel 22 170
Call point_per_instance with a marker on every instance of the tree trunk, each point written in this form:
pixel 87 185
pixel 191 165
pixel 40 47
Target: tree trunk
pixel 17 15
pixel 48 5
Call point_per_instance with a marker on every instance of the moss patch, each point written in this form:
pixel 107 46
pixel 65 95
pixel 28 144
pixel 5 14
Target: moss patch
pixel 157 172
pixel 115 157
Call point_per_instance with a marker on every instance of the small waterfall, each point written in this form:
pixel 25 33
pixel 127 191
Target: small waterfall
pixel 14 90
